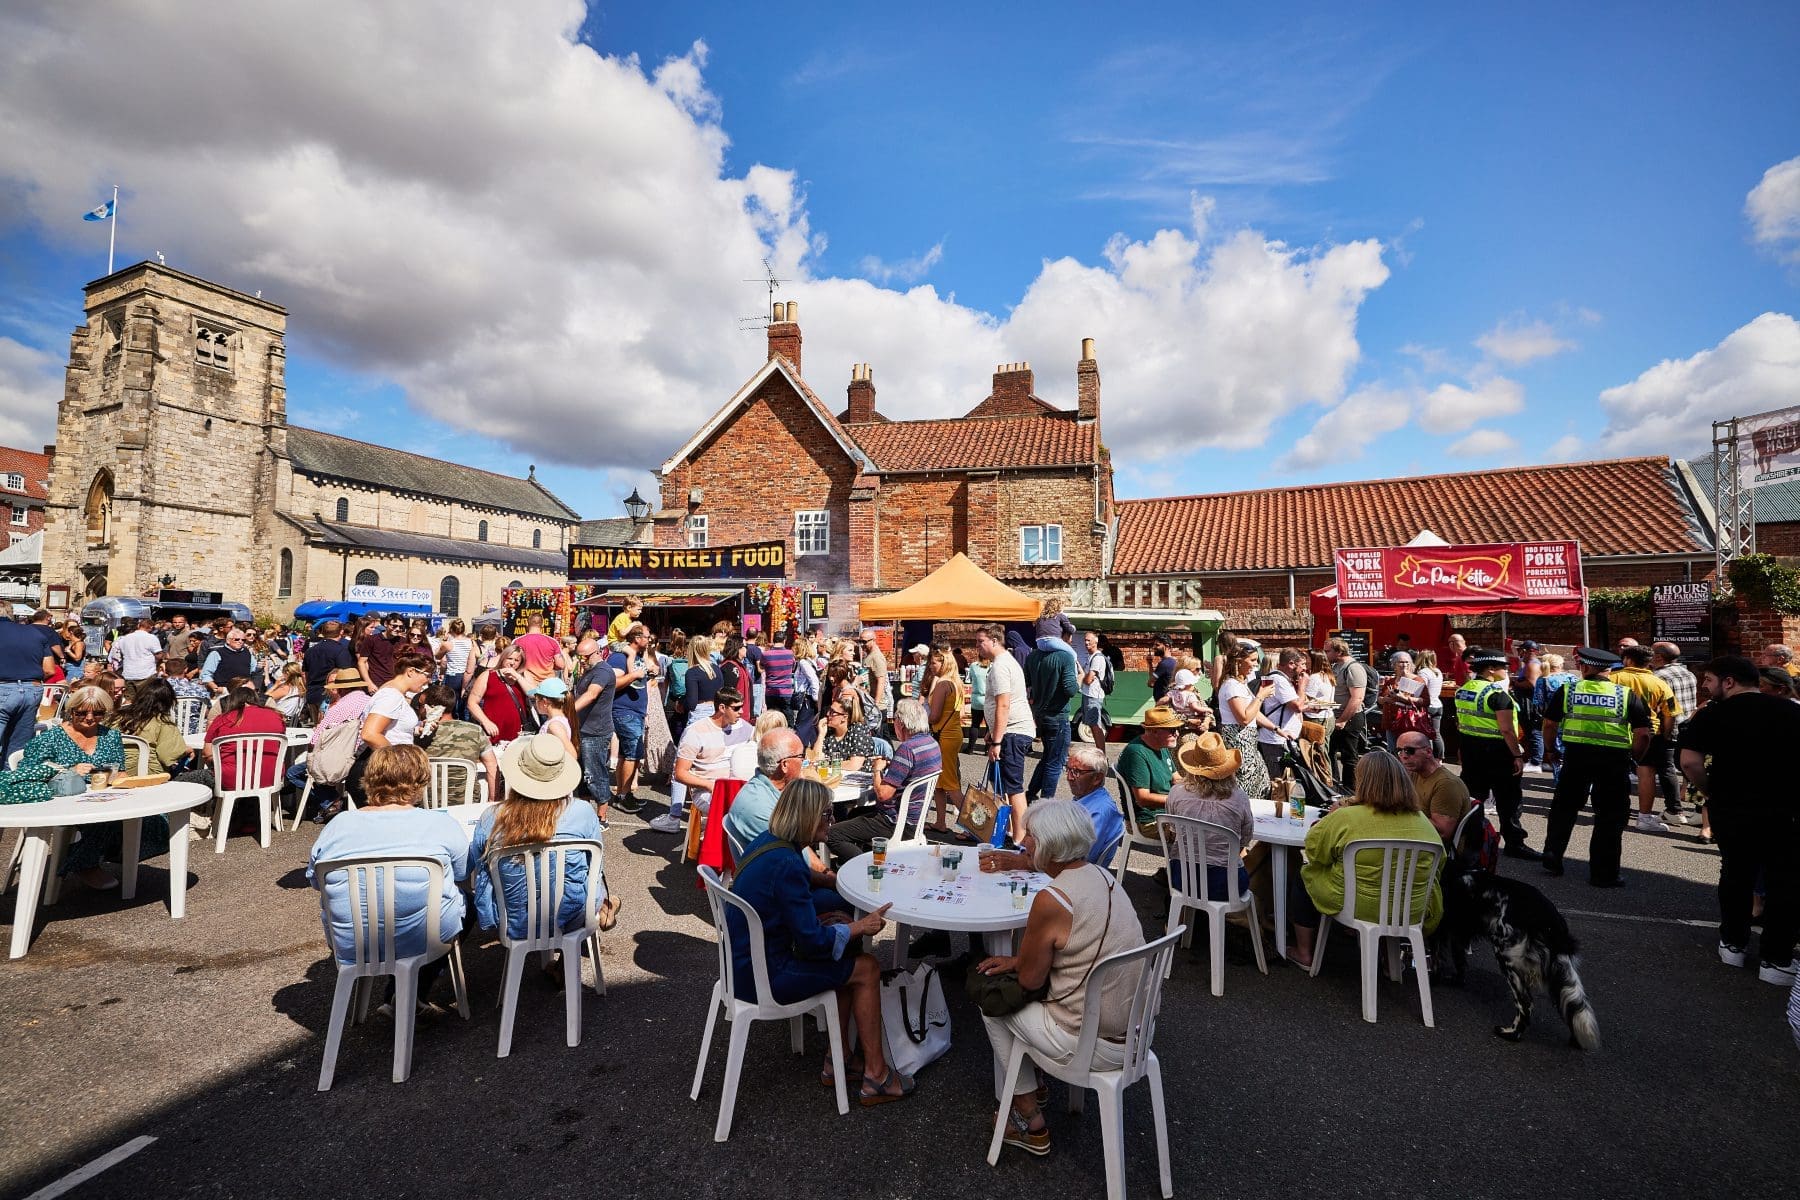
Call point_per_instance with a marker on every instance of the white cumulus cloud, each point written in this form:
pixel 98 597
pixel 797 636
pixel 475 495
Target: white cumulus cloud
pixel 1516 343
pixel 541 242
pixel 1346 430
pixel 907 270
pixel 1451 408
pixel 1773 207
pixel 1482 443
pixel 1670 408
pixel 31 382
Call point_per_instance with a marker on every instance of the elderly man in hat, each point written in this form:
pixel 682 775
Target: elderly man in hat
pixel 1605 730
pixel 1147 765
pixel 1492 756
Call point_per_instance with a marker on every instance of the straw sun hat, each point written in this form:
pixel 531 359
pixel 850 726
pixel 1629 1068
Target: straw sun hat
pixel 540 767
pixel 1209 757
pixel 345 679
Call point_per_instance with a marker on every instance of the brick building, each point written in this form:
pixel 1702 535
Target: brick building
pixel 175 457
pixel 870 504
pixel 24 486
pixel 1258 555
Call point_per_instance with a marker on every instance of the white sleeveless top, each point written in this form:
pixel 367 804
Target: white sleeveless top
pixel 1088 892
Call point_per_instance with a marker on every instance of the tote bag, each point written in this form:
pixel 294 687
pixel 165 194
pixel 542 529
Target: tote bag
pixel 915 1020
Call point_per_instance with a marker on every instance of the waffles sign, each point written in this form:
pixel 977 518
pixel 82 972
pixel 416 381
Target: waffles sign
pixel 1508 571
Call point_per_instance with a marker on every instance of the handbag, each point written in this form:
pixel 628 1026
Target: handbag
pixel 915 1018
pixel 1001 993
pixel 981 806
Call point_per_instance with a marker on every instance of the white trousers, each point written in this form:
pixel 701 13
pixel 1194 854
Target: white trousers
pixel 1034 1026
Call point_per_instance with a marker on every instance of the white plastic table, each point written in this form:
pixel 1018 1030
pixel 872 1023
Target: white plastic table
pixel 982 903
pixel 468 815
pixel 1282 837
pixel 853 791
pixel 51 819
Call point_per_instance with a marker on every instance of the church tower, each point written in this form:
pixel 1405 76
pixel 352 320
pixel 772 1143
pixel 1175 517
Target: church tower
pixel 171 427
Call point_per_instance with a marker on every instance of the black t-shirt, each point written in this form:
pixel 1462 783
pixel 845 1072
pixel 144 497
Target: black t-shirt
pixel 597 719
pixel 1750 737
pixel 1162 677
pixel 702 686
pixel 322 658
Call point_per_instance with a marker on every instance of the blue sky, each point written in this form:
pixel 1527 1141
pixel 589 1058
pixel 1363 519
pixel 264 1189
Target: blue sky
pixel 1367 243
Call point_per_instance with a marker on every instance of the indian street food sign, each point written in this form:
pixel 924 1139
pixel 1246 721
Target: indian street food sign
pixel 756 560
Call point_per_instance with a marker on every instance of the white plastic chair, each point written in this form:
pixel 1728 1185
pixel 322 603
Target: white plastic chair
pixel 52 699
pixel 742 1013
pixel 1402 862
pixel 254 779
pixel 190 714
pixel 1132 837
pixel 370 883
pixel 452 782
pixel 919 791
pixel 546 867
pixel 1186 838
pixel 1144 969
pixel 141 758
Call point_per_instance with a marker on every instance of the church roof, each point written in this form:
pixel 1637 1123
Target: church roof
pixel 317 453
pixel 423 545
pixel 607 531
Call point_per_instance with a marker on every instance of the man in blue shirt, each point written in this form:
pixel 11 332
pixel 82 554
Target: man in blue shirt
pixel 916 757
pixel 24 661
pixel 779 758
pixel 632 663
pixel 1087 779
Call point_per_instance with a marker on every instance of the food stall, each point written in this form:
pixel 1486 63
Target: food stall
pixel 688 588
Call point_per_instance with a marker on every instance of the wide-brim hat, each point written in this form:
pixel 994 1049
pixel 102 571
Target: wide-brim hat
pixel 345 678
pixel 1185 678
pixel 540 767
pixel 1162 717
pixel 1209 757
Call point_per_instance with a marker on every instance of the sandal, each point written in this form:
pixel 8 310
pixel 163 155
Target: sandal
pixel 609 911
pixel 881 1095
pixel 853 1073
pixel 1020 1133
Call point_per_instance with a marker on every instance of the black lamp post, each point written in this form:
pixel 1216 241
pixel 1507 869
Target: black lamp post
pixel 636 507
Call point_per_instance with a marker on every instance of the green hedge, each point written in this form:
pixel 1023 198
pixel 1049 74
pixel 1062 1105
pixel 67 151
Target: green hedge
pixel 1764 583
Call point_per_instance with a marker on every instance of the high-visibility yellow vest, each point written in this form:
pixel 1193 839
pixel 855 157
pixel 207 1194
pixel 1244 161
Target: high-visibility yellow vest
pixel 1594 714
pixel 1475 708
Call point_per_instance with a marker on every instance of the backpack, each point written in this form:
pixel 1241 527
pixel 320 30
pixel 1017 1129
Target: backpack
pixel 329 761
pixel 1107 678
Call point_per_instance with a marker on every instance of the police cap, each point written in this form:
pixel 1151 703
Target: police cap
pixel 1594 656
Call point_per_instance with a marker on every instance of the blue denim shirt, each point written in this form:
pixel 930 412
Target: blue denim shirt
pixel 578 821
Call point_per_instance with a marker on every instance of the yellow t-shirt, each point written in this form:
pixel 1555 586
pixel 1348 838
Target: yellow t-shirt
pixel 615 632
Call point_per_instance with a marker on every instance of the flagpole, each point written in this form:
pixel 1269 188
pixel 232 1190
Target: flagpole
pixel 112 237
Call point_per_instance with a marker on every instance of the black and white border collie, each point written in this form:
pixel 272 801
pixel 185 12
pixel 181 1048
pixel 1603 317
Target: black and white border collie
pixel 1531 943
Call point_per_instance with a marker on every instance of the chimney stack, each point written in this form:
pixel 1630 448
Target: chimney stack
pixel 1087 384
pixel 784 332
pixel 861 409
pixel 1012 388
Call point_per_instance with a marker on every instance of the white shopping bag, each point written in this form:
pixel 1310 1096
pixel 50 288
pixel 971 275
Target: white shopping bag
pixel 915 1020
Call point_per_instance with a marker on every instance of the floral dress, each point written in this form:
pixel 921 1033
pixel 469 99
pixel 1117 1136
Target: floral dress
pixel 48 753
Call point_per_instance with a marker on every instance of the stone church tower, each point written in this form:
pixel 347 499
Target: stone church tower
pixel 172 425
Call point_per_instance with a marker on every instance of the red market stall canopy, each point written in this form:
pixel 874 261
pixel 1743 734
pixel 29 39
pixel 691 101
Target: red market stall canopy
pixel 957 591
pixel 1538 578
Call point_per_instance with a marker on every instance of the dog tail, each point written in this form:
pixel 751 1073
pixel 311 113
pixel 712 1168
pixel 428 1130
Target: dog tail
pixel 1571 998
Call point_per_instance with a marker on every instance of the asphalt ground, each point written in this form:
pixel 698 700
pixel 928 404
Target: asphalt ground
pixel 206 1036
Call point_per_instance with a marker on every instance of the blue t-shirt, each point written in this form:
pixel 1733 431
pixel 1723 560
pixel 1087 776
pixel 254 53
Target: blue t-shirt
pixel 22 651
pixel 629 699
pixel 412 832
pixel 914 758
pixel 578 820
pixel 750 811
pixel 1109 826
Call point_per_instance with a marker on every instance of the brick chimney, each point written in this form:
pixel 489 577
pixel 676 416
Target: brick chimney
pixel 1012 388
pixel 784 332
pixel 1087 384
pixel 862 396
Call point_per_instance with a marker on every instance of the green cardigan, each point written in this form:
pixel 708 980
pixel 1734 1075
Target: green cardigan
pixel 1323 873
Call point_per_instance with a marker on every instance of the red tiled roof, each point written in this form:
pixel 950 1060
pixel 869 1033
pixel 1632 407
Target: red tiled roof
pixel 1052 439
pixel 1625 506
pixel 34 467
pixel 1001 404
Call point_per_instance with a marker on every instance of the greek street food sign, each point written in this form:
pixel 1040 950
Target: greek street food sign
pixel 757 560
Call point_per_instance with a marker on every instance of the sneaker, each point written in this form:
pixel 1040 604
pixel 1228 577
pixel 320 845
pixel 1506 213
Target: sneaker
pixel 1553 864
pixel 1731 956
pixel 668 824
pixel 1678 816
pixel 1490 812
pixel 628 804
pixel 1651 823
pixel 1782 975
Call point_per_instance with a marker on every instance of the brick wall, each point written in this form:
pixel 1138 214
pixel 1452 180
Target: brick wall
pixel 1063 498
pixel 771 460
pixel 920 522
pixel 1778 537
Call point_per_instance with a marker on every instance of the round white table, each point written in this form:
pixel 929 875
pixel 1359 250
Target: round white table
pixel 1282 836
pixel 50 820
pixel 468 815
pixel 976 901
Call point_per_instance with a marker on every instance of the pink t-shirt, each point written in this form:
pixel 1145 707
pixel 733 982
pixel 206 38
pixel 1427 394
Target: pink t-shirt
pixel 540 651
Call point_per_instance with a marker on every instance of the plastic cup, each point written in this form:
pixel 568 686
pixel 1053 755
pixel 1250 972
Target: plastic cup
pixel 876 872
pixel 879 847
pixel 1280 810
pixel 1021 892
pixel 952 863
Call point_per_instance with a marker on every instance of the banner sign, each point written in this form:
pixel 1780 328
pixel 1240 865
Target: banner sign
pixel 1769 448
pixel 183 596
pixel 1360 642
pixel 758 560
pixel 1499 572
pixel 368 593
pixel 818 606
pixel 1682 613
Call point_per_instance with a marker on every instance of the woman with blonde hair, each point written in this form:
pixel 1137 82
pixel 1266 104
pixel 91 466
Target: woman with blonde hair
pixel 289 692
pixel 540 806
pixel 1384 806
pixel 702 677
pixel 455 653
pixel 1206 788
pixel 944 707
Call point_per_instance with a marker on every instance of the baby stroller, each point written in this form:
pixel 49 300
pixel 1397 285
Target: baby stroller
pixel 1311 768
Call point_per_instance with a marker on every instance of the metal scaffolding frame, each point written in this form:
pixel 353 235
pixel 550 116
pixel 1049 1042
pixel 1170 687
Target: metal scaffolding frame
pixel 1733 505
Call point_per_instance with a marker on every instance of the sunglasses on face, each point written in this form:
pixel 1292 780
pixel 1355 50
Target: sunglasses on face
pixel 1403 751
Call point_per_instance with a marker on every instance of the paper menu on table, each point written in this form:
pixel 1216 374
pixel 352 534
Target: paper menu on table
pixel 945 893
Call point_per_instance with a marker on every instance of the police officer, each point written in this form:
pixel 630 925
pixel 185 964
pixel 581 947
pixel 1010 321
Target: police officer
pixel 1605 731
pixel 1492 758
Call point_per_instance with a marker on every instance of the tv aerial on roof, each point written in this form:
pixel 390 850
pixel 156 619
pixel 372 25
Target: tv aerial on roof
pixel 773 283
